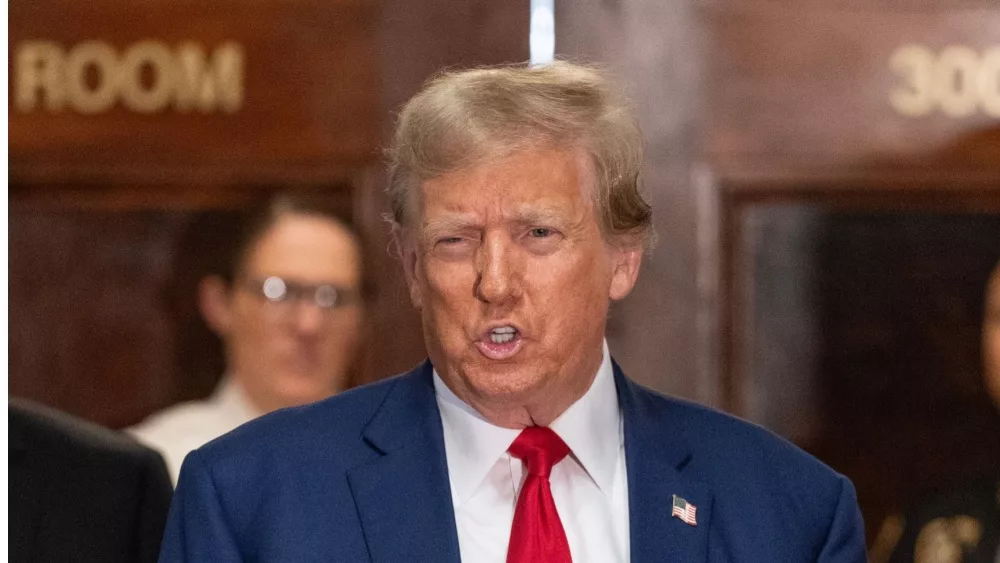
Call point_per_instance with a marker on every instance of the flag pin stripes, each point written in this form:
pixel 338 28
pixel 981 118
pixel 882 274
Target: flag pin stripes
pixel 685 511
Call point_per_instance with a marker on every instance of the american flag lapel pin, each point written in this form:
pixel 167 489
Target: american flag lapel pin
pixel 685 511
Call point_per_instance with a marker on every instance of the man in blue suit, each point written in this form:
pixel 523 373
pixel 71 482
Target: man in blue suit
pixel 518 217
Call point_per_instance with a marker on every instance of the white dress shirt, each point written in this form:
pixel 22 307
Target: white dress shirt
pixel 589 486
pixel 177 430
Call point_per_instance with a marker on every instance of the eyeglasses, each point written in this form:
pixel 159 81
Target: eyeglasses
pixel 280 291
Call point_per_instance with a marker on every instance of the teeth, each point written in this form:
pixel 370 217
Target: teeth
pixel 503 334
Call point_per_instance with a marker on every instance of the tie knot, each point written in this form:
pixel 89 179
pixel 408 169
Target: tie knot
pixel 539 448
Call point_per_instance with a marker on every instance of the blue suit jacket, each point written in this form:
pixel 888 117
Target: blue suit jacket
pixel 362 477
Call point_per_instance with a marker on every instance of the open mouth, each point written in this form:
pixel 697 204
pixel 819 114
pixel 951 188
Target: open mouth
pixel 500 342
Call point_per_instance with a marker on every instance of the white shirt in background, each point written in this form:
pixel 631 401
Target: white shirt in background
pixel 177 430
pixel 589 486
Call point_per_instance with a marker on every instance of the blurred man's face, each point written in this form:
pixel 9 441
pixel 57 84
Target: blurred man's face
pixel 293 351
pixel 513 276
pixel 991 337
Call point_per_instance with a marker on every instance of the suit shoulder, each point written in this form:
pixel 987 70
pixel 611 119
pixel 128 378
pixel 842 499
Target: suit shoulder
pixel 53 454
pixel 722 440
pixel 44 430
pixel 336 421
pixel 754 473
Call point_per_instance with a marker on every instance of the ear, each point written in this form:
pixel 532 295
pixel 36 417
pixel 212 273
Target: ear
pixel 409 255
pixel 625 260
pixel 214 304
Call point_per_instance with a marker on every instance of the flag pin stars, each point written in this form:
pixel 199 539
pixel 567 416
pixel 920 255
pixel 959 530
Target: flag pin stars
pixel 685 511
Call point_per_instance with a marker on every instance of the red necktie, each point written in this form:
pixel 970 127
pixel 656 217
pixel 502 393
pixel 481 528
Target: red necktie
pixel 537 534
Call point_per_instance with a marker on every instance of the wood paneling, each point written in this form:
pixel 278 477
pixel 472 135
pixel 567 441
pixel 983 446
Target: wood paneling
pixel 809 87
pixel 89 330
pixel 309 108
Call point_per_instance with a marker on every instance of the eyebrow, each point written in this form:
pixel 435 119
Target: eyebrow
pixel 535 215
pixel 526 215
pixel 448 224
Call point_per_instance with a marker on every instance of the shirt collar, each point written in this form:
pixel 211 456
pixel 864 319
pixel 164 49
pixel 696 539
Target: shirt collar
pixel 591 427
pixel 472 444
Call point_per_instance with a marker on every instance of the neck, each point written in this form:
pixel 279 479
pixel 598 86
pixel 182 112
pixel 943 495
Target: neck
pixel 245 399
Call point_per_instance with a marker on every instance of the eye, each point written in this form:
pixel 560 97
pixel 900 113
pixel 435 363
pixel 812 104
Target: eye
pixel 542 240
pixel 453 247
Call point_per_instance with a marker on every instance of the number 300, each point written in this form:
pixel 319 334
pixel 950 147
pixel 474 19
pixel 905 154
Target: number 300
pixel 958 81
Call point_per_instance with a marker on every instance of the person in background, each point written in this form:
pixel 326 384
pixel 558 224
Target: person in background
pixel 288 309
pixel 961 523
pixel 79 492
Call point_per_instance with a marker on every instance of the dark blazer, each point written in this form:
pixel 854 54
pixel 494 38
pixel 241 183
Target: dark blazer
pixel 79 492
pixel 362 477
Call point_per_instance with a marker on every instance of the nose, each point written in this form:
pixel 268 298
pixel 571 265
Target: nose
pixel 497 282
pixel 308 318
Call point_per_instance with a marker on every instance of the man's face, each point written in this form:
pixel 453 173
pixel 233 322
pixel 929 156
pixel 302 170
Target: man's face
pixel 293 352
pixel 513 276
pixel 991 337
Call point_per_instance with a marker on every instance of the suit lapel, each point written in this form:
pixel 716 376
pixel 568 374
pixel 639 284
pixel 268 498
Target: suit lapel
pixel 403 496
pixel 656 454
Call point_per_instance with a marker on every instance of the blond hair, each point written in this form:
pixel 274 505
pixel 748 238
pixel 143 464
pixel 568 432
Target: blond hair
pixel 464 118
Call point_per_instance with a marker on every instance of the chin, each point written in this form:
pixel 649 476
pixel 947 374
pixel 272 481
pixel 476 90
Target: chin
pixel 503 385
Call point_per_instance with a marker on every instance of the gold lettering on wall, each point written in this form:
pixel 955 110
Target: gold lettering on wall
pixel 958 81
pixel 147 77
